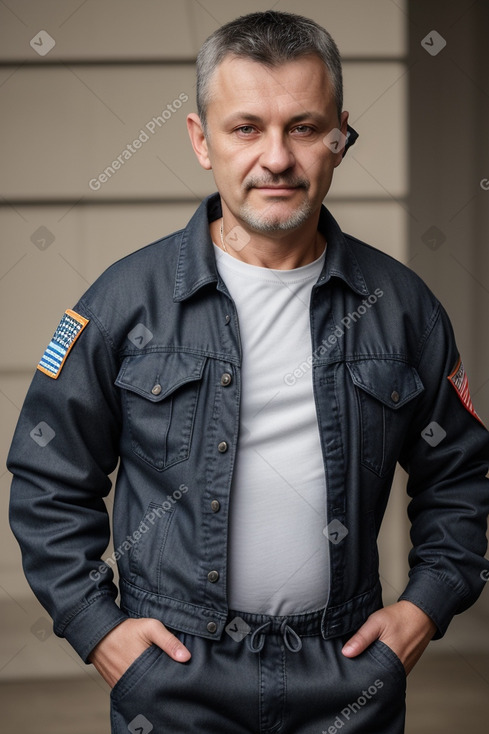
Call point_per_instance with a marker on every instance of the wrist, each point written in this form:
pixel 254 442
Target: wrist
pixel 416 616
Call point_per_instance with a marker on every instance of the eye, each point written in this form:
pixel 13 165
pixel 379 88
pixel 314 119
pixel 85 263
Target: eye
pixel 245 129
pixel 303 129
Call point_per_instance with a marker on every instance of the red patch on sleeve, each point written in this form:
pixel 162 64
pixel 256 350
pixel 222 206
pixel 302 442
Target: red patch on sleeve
pixel 460 382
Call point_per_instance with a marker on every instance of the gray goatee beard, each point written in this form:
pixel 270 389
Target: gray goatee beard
pixel 261 222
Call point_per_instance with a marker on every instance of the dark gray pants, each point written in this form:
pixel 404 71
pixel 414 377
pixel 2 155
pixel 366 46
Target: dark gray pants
pixel 267 675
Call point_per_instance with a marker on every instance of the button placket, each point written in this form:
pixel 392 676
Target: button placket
pixel 225 379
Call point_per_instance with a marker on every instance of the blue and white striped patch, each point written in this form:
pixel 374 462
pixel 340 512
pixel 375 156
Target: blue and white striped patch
pixel 69 329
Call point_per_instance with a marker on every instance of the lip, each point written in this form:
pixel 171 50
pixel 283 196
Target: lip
pixel 277 189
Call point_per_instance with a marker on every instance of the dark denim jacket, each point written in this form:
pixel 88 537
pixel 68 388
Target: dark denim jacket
pixel 154 380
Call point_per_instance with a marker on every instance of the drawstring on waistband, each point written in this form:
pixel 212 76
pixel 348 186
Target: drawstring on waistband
pixel 291 639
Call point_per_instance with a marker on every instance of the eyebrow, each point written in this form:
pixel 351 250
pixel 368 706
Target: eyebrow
pixel 250 117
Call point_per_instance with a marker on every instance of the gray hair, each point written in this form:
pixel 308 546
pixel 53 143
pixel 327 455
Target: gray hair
pixel 270 38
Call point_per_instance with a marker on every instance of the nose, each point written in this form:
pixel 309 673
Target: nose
pixel 277 155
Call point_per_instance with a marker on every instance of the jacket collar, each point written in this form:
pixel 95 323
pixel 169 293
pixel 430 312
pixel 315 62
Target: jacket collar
pixel 340 260
pixel 196 265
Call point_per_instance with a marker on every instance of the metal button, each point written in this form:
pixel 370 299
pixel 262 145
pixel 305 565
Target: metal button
pixel 228 318
pixel 215 505
pixel 222 447
pixel 226 379
pixel 395 397
pixel 156 389
pixel 211 627
pixel 213 576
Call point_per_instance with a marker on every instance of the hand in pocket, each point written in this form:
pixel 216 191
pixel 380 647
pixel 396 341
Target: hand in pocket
pixel 116 652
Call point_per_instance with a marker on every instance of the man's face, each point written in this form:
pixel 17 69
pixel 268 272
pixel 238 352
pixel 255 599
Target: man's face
pixel 265 141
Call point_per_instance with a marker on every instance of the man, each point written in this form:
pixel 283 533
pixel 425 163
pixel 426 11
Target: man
pixel 258 375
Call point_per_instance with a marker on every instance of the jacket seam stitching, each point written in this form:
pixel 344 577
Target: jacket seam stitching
pixel 100 327
pixel 435 316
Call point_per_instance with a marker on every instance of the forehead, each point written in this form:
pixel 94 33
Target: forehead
pixel 294 84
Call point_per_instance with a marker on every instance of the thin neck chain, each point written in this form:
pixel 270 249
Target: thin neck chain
pixel 222 235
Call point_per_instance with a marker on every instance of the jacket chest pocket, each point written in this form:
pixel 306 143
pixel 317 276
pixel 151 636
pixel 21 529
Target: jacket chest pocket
pixel 159 395
pixel 386 390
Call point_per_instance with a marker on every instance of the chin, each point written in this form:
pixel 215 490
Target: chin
pixel 276 221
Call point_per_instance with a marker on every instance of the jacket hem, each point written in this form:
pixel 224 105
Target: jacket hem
pixel 210 623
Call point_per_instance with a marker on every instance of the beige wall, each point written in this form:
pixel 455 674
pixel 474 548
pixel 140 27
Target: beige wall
pixel 67 115
pixel 449 191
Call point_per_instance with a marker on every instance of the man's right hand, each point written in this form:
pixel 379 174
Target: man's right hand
pixel 123 644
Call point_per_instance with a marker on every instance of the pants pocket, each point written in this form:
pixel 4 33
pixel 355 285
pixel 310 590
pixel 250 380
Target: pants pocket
pixel 384 655
pixel 150 694
pixel 330 693
pixel 135 673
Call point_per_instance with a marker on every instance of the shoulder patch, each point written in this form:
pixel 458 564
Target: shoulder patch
pixel 69 329
pixel 460 382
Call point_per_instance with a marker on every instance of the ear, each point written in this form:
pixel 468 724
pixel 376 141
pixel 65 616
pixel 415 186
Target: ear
pixel 198 140
pixel 343 127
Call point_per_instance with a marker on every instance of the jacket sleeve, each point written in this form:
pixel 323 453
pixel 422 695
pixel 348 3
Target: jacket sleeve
pixel 446 456
pixel 65 446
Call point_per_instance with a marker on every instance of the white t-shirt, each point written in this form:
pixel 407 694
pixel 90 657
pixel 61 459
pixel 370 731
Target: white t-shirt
pixel 278 555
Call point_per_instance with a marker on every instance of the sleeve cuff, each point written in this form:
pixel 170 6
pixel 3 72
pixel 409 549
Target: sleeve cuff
pixel 439 600
pixel 91 624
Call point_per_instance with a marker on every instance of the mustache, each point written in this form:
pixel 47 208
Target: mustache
pixel 296 182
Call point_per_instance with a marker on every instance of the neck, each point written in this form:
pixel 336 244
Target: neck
pixel 275 250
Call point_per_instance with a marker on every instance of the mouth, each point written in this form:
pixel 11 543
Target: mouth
pixel 278 190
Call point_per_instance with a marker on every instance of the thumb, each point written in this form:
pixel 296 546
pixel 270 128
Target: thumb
pixel 171 645
pixel 368 633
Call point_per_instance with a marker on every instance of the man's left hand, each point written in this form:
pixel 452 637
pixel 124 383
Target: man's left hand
pixel 403 627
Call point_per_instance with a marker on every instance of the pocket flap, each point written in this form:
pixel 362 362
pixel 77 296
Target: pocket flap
pixel 157 375
pixel 392 382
